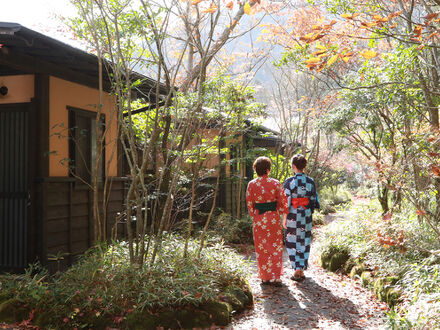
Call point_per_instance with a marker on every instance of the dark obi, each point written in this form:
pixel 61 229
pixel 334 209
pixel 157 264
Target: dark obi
pixel 265 207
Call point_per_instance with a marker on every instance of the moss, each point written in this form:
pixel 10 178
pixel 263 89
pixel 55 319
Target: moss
pixel 193 318
pixel 366 278
pixel 139 320
pixel 13 310
pixel 219 312
pixel 379 289
pixel 248 292
pixel 338 260
pixel 325 258
pixel 391 279
pixel 393 295
pixel 357 271
pixel 349 266
pixel 237 298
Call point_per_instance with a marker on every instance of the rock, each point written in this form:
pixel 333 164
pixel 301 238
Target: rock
pixel 13 310
pixel 193 318
pixel 356 271
pixel 139 320
pixel 325 259
pixel 238 298
pixel 219 312
pixel 338 260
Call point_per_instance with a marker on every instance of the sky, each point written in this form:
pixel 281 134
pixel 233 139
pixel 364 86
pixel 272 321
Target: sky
pixel 38 15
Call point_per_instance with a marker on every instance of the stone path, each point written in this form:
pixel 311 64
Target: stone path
pixel 322 301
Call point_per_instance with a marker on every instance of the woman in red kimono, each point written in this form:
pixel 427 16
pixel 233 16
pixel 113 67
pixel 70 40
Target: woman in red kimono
pixel 266 204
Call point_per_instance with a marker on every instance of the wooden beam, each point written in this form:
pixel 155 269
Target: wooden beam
pixel 32 64
pixel 42 114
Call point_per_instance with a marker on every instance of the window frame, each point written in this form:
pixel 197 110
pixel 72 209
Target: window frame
pixel 73 114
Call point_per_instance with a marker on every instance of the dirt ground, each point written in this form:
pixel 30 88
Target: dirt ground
pixel 323 300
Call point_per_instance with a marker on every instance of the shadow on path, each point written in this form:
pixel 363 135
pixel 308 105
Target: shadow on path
pixel 322 301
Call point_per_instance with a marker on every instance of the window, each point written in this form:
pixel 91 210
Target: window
pixel 82 144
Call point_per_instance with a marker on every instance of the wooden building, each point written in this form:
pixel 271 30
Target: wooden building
pixel 49 90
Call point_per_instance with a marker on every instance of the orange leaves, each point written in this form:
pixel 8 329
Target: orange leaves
pixel 247 8
pixel 313 60
pixel 212 9
pixel 398 240
pixel 435 170
pixel 332 60
pixel 432 35
pixel 431 16
pixel 392 15
pixel 418 29
pixel 350 16
pixel 368 54
pixel 230 5
pixel 421 212
pixel 196 2
pixel 367 25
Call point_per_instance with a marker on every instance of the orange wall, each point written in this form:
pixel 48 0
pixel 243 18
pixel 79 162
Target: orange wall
pixel 20 88
pixel 62 94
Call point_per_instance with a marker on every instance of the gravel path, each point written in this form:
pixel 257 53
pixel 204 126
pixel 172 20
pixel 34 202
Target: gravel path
pixel 323 300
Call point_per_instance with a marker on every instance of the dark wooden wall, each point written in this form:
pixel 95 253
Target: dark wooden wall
pixel 66 218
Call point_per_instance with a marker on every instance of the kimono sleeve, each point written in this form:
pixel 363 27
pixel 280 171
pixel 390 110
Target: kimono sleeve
pixel 250 201
pixel 314 198
pixel 282 206
pixel 288 193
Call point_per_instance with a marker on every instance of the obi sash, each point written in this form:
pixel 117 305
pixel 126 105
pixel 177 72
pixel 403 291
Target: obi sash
pixel 264 207
pixel 297 202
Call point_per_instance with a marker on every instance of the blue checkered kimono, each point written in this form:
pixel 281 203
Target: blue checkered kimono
pixel 299 220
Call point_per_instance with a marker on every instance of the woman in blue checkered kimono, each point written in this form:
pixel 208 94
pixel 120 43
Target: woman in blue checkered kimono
pixel 302 200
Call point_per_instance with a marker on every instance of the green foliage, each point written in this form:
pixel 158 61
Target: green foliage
pixel 232 230
pixel 334 197
pixel 103 285
pixel 400 270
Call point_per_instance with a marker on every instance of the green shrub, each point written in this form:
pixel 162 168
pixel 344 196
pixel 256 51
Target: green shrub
pixel 103 290
pixel 318 218
pixel 232 230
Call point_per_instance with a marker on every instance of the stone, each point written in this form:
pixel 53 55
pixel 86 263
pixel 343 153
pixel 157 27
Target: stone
pixel 338 260
pixel 219 312
pixel 139 320
pixel 237 298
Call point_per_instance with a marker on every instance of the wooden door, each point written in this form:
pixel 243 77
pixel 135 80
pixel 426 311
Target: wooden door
pixel 14 185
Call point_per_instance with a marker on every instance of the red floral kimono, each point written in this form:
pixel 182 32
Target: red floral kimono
pixel 268 235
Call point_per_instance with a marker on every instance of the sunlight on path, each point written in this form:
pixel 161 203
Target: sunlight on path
pixel 323 301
